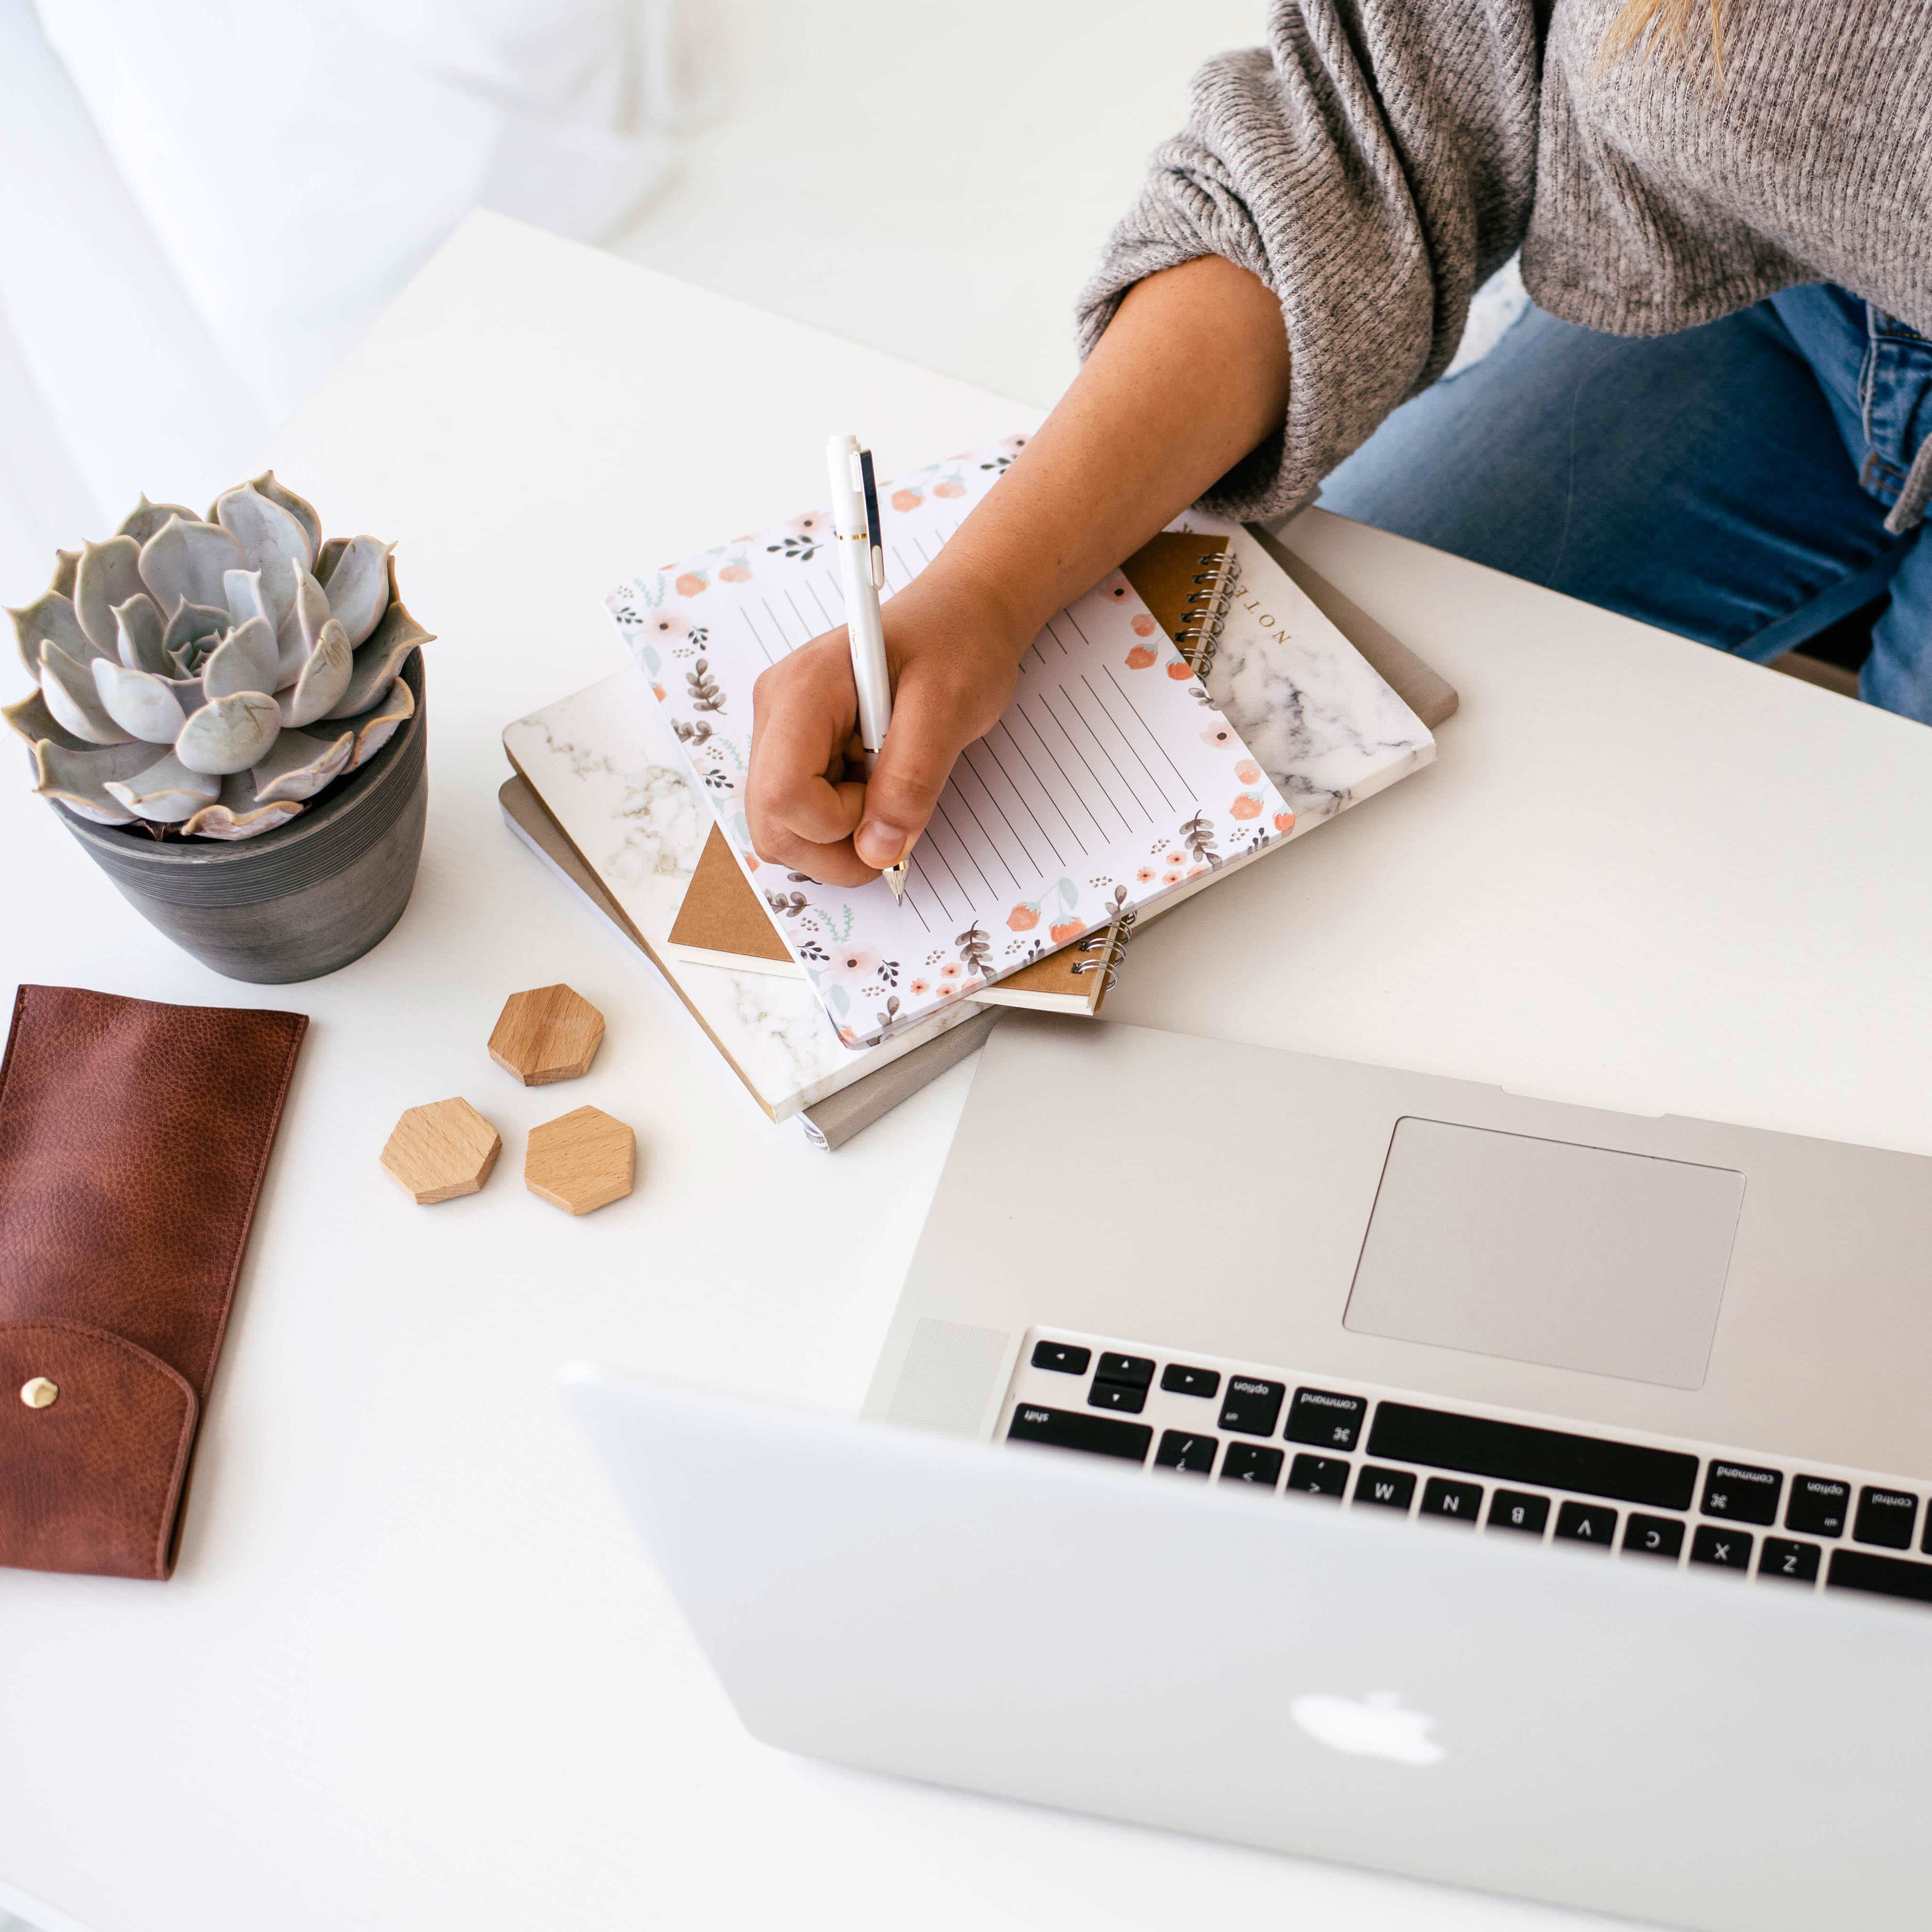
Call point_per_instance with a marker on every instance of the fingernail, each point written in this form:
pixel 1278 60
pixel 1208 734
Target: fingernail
pixel 880 845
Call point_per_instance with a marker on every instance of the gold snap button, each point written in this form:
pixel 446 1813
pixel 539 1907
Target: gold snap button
pixel 40 1393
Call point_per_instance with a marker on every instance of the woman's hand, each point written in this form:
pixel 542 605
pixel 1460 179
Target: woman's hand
pixel 1191 375
pixel 953 656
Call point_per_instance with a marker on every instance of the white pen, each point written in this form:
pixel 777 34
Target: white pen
pixel 855 518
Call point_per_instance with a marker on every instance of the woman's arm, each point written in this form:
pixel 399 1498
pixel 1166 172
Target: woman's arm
pixel 1191 374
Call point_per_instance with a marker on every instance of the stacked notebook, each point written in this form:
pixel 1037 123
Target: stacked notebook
pixel 1186 716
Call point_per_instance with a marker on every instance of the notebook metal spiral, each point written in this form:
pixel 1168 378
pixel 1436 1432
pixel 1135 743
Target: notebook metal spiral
pixel 1101 951
pixel 1215 581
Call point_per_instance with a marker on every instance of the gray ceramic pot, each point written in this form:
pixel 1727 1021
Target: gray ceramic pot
pixel 297 902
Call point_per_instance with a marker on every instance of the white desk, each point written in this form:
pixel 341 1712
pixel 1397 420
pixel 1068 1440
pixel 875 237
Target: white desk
pixel 414 1672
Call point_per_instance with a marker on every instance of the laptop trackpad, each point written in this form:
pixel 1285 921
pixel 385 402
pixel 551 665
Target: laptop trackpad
pixel 1543 1251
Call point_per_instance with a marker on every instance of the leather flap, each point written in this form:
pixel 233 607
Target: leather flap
pixel 91 1478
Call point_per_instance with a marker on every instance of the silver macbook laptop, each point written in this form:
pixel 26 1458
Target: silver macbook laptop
pixel 1388 1468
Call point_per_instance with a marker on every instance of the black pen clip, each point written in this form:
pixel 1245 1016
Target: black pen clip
pixel 874 536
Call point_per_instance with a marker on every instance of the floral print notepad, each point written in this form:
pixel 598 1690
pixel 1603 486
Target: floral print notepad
pixel 1112 780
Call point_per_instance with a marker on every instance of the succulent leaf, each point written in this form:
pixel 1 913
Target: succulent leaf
pixel 138 632
pixel 299 633
pixel 298 507
pixel 358 587
pixel 244 660
pixel 66 563
pixel 184 562
pixel 145 706
pixel 30 717
pixel 79 779
pixel 299 765
pixel 374 728
pixel 145 519
pixel 380 660
pixel 229 734
pixel 272 540
pixel 49 619
pixel 246 598
pixel 70 696
pixel 239 814
pixel 108 573
pixel 324 679
pixel 166 791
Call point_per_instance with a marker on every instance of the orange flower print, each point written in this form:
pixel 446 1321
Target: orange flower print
pixel 1248 772
pixel 1247 806
pixel 751 861
pixel 919 988
pixel 690 583
pixel 1179 671
pixel 948 973
pixel 813 523
pixel 951 486
pixel 846 1037
pixel 1139 657
pixel 734 573
pixel 1195 871
pixel 1144 625
pixel 1175 859
pixel 1144 875
pixel 1023 918
pixel 1284 821
pixel 1066 930
pixel 907 499
pixel 1220 736
pixel 657 692
pixel 1170 878
pixel 946 992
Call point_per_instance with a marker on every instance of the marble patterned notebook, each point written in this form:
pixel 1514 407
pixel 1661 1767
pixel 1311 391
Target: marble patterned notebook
pixel 1112 781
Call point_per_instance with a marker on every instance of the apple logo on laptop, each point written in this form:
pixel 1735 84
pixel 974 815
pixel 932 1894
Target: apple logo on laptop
pixel 1377 1726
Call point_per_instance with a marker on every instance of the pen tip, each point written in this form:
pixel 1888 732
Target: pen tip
pixel 895 877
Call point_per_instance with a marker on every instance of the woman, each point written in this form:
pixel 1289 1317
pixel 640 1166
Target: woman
pixel 1717 417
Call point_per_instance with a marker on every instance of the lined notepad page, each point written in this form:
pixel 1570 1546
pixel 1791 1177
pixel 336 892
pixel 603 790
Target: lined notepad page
pixel 1111 780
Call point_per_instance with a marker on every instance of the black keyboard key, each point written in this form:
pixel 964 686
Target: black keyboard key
pixel 1879 1575
pixel 1320 1416
pixel 1194 1455
pixel 1251 1405
pixel 1114 1395
pixel 1318 1476
pixel 1130 1371
pixel 1793 1562
pixel 1820 1505
pixel 1511 1509
pixel 1065 1429
pixel 1740 1493
pixel 1452 1502
pixel 1178 1378
pixel 1885 1517
pixel 1513 1452
pixel 1386 1488
pixel 1659 1536
pixel 1721 1549
pixel 1062 1357
pixel 1593 1525
pixel 1252 1463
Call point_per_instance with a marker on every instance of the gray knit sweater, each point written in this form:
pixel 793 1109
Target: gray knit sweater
pixel 1379 158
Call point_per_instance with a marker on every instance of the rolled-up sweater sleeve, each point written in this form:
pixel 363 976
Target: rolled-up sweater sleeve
pixel 1373 164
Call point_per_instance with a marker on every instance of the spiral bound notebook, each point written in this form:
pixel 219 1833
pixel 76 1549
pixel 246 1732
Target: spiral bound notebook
pixel 1112 781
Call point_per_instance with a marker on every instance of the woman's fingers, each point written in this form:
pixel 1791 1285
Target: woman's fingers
pixel 801 809
pixel 934 720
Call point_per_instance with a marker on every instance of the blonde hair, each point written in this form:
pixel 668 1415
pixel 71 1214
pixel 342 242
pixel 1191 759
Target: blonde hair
pixel 1649 23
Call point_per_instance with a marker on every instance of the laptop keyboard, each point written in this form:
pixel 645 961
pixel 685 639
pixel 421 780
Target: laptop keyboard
pixel 1461 1466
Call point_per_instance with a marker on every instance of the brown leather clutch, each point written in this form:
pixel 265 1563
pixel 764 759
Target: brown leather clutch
pixel 134 1139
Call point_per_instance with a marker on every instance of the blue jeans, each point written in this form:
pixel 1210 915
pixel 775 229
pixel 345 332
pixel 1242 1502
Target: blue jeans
pixel 1729 483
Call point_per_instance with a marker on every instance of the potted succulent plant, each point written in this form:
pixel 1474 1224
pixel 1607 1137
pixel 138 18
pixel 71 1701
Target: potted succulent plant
pixel 228 716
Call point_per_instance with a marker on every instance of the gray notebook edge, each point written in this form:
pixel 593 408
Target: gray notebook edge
pixel 1426 691
pixel 829 1123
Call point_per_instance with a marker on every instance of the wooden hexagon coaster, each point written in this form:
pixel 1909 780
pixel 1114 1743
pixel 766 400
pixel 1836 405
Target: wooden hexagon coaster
pixel 442 1150
pixel 548 1033
pixel 580 1161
